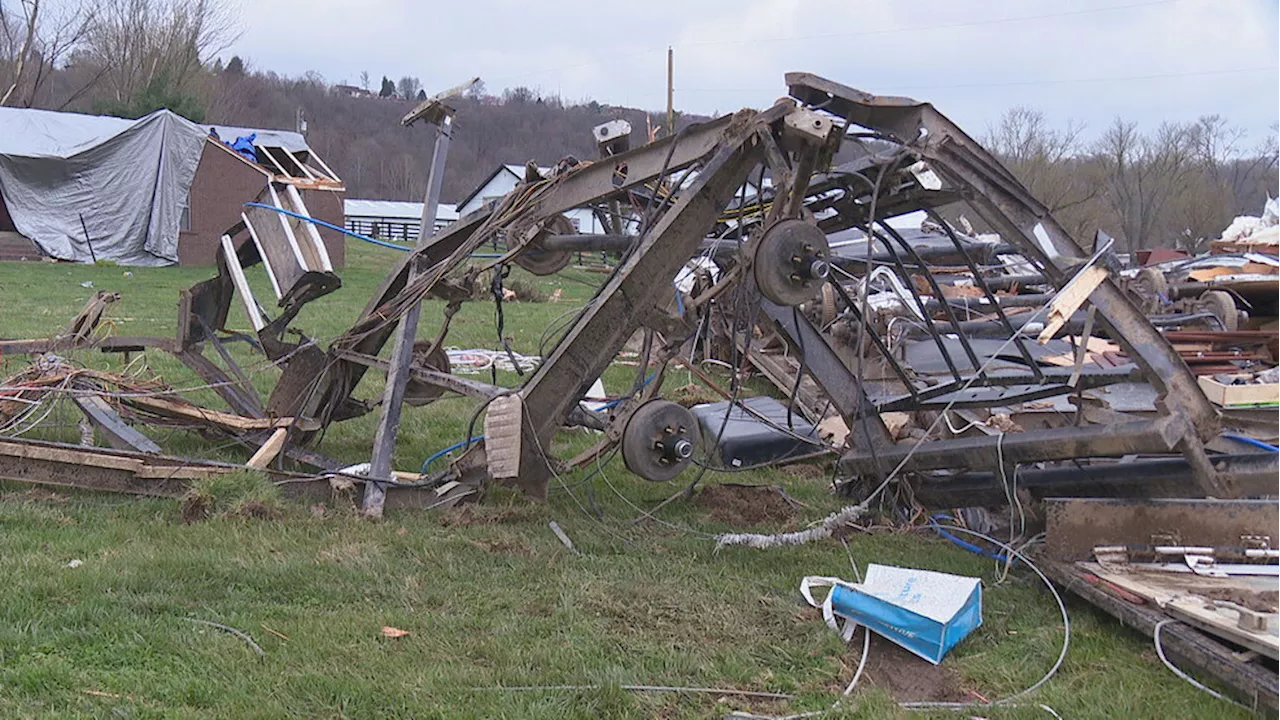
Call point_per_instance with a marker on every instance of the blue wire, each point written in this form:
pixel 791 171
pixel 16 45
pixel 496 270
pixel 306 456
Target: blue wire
pixel 612 403
pixel 331 226
pixel 959 542
pixel 1253 442
pixel 448 450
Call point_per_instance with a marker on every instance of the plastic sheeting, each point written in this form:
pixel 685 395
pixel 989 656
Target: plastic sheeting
pixel 127 179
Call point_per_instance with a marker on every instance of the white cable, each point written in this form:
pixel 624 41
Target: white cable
pixel 1195 683
pixel 862 663
pixel 1062 656
pixel 759 541
pixel 954 431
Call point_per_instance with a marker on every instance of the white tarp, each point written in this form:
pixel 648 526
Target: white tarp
pixel 127 179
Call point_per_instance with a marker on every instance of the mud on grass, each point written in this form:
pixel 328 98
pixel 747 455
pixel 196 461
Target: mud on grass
pixel 745 505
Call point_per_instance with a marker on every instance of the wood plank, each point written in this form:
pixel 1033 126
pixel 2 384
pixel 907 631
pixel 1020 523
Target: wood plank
pixel 1066 302
pixel 242 285
pixel 262 253
pixel 269 450
pixel 216 417
pixel 312 233
pixel 180 472
pixel 1176 595
pixel 289 235
pixel 71 457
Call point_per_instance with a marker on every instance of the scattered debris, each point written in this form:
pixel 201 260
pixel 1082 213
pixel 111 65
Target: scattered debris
pixel 277 633
pixel 238 633
pixel 394 633
pixel 925 612
pixel 564 539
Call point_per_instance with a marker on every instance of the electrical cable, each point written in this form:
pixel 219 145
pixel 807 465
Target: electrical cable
pixel 1195 683
pixel 1062 656
pixel 1254 442
pixel 330 226
pixel 448 450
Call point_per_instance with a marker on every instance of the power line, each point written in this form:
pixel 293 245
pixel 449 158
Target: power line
pixel 1013 83
pixel 860 33
pixel 944 26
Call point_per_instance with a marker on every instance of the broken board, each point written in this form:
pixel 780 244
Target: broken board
pixel 1190 598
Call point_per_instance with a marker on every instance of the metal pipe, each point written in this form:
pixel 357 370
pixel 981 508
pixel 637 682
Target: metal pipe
pixel 588 243
pixel 1254 474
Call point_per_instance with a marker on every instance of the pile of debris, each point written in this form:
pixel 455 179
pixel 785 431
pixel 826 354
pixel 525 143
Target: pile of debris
pixel 948 363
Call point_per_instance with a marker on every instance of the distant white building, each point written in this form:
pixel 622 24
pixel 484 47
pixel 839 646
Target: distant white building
pixel 392 219
pixel 503 180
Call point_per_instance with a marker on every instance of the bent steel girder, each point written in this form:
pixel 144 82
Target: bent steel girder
pixel 322 394
pixel 997 196
pixel 630 295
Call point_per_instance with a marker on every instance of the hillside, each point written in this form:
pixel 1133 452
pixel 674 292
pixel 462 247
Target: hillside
pixel 362 139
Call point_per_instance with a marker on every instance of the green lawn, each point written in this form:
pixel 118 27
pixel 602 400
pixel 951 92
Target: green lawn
pixel 489 596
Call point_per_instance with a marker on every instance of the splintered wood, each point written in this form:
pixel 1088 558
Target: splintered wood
pixel 1070 299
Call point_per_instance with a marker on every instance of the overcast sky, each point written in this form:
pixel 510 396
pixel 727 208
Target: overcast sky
pixel 1081 60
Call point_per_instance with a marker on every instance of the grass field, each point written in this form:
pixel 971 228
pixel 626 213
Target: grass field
pixel 488 595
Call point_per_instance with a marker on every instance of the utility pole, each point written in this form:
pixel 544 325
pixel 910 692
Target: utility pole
pixel 671 92
pixel 439 117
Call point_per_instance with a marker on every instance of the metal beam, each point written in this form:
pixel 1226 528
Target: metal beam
pixel 1143 437
pixel 631 293
pixel 836 379
pixel 1253 473
pixel 1022 221
pixel 384 439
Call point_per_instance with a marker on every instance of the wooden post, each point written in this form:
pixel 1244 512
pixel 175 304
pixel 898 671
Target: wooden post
pixel 671 92
pixel 384 439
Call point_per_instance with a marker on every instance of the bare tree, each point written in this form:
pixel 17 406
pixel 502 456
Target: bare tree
pixel 36 36
pixel 1045 160
pixel 140 42
pixel 408 87
pixel 1143 176
pixel 364 79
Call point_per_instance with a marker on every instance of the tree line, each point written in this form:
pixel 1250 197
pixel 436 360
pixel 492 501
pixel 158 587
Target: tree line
pixel 1176 185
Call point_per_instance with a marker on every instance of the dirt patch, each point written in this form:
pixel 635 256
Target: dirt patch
pixel 804 471
pixel 196 507
pixel 1258 601
pixel 258 510
pixel 905 676
pixel 469 515
pixel 745 504
pixel 690 395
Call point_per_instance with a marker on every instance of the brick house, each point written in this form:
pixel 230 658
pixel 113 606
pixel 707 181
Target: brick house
pixel 225 180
